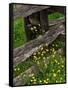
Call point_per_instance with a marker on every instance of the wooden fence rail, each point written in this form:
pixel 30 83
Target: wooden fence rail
pixel 21 54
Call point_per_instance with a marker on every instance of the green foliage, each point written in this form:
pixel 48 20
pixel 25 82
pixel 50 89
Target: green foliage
pixel 19 35
pixel 21 67
pixel 55 15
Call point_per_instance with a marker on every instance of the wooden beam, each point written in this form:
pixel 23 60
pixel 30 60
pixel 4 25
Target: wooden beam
pixel 27 50
pixel 21 79
pixel 44 20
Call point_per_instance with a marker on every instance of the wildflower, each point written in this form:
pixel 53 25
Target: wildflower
pixel 58 63
pixel 53 70
pixel 46 44
pixel 56 81
pixel 14 69
pixel 34 27
pixel 35 57
pixel 40 81
pixel 54 52
pixel 38 24
pixel 52 44
pixel 39 57
pixel 62 66
pixel 42 48
pixel 58 71
pixel 31 28
pixel 53 56
pixel 44 58
pixel 61 78
pixel 36 30
pixel 53 49
pixel 32 74
pixel 47 50
pixel 24 75
pixel 45 65
pixel 47 57
pixel 54 75
pixel 18 69
pixel 35 80
pixel 56 45
pixel 55 60
pixel 31 80
pixel 33 77
pixel 45 81
pixel 42 54
pixel 38 62
pixel 34 53
pixel 38 52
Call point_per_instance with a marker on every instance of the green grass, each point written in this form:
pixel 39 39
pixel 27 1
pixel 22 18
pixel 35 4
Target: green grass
pixel 19 32
pixel 20 68
pixel 55 15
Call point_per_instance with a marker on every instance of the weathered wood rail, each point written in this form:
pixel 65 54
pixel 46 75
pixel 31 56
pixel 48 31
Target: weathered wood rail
pixel 21 79
pixel 24 52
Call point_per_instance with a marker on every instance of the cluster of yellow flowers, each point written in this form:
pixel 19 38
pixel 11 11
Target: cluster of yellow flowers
pixel 40 55
pixel 16 69
pixel 34 28
pixel 33 78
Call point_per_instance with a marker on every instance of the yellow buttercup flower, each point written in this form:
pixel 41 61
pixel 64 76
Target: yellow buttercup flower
pixel 38 53
pixel 61 78
pixel 33 77
pixel 34 53
pixel 52 44
pixel 58 71
pixel 35 57
pixel 38 24
pixel 45 82
pixel 42 48
pixel 36 30
pixel 47 79
pixel 56 81
pixel 53 70
pixel 56 45
pixel 53 49
pixel 56 61
pixel 43 52
pixel 38 62
pixel 44 58
pixel 18 69
pixel 54 52
pixel 32 74
pixel 14 69
pixel 31 80
pixel 47 50
pixel 47 57
pixel 35 80
pixel 46 44
pixel 31 29
pixel 62 66
pixel 39 57
pixel 53 56
pixel 34 27
pixel 40 81
pixel 54 75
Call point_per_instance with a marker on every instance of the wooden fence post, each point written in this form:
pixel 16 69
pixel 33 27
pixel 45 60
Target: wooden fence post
pixel 44 20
